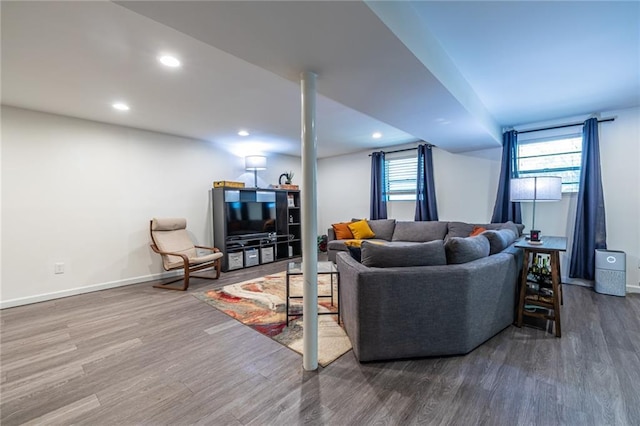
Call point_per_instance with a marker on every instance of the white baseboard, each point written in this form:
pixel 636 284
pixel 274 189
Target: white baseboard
pixel 585 283
pixel 4 304
pixel 577 281
pixel 633 288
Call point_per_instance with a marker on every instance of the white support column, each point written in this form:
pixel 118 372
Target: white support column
pixel 309 222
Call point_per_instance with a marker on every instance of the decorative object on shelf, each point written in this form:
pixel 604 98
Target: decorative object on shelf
pixel 285 186
pixel 291 202
pixel 539 188
pixel 255 163
pixel 539 271
pixel 228 184
pixel 288 178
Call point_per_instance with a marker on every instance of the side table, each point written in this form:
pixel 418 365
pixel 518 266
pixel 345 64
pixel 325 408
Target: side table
pixel 532 296
pixel 324 268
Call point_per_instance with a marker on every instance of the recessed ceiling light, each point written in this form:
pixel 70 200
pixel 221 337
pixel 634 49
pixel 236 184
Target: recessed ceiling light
pixel 243 133
pixel 169 61
pixel 376 135
pixel 120 106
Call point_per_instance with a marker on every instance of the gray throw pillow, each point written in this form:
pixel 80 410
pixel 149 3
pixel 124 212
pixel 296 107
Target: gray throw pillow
pixel 463 250
pixel 513 228
pixel 382 256
pixel 460 229
pixel 383 228
pixel 499 239
pixel 419 231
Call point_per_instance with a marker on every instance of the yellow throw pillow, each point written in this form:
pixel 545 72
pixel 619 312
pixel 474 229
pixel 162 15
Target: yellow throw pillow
pixel 353 243
pixel 361 230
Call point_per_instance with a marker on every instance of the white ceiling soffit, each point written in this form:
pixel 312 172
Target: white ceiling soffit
pixel 533 61
pixel 360 62
pixel 76 58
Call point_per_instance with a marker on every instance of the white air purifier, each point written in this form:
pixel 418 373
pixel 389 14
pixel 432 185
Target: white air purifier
pixel 611 272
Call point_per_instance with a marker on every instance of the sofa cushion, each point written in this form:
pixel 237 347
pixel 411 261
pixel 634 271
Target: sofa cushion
pixel 342 231
pixel 419 231
pixel 460 229
pixel 463 250
pixel 337 245
pixel 499 239
pixel 384 256
pixel 361 230
pixel 383 228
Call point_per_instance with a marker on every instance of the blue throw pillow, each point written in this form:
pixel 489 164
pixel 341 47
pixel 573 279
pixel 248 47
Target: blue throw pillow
pixel 356 253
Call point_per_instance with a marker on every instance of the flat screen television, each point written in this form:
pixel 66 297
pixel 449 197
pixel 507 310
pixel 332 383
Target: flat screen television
pixel 250 217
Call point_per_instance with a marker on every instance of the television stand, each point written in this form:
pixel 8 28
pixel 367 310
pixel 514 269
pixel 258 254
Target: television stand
pixel 243 250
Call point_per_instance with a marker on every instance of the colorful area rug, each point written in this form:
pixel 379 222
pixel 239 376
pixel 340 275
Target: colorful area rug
pixel 260 304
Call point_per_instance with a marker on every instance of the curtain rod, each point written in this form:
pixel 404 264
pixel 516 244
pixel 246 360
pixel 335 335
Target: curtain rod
pixel 561 126
pixel 403 150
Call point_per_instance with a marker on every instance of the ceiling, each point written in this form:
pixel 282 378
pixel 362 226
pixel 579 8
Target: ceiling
pixel 450 73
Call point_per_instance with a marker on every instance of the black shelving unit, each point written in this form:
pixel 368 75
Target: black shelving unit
pixel 289 221
pixel 281 242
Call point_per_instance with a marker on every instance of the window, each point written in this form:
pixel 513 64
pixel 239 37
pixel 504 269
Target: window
pixel 552 157
pixel 401 175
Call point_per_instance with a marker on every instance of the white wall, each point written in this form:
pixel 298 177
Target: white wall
pixel 82 193
pixel 466 186
pixel 620 160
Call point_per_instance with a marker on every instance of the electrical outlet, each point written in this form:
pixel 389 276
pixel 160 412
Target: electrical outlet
pixel 58 268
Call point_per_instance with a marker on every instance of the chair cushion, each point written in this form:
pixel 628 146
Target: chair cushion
pixel 170 235
pixel 168 224
pixel 384 256
pixel 198 260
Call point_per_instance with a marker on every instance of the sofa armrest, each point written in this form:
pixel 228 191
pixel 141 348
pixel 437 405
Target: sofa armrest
pixel 331 235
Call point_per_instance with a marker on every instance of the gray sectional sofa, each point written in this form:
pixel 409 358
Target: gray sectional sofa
pixel 409 299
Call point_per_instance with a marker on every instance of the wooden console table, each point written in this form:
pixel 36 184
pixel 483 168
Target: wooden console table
pixel 532 296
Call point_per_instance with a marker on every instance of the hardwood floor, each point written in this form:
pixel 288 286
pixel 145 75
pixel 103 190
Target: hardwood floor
pixel 139 355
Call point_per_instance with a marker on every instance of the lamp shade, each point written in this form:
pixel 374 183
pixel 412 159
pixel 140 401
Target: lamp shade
pixel 540 188
pixel 255 162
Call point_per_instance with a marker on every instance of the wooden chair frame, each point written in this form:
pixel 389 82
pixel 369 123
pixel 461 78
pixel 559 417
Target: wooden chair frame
pixel 188 269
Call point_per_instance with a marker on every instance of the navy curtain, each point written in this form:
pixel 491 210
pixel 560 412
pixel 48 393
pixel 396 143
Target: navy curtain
pixel 378 187
pixel 426 207
pixel 504 210
pixel 590 232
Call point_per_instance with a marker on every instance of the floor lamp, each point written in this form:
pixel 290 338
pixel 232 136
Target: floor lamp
pixel 540 188
pixel 255 163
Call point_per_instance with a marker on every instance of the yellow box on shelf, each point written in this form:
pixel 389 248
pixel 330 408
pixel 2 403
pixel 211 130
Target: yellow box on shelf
pixel 228 183
pixel 286 186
